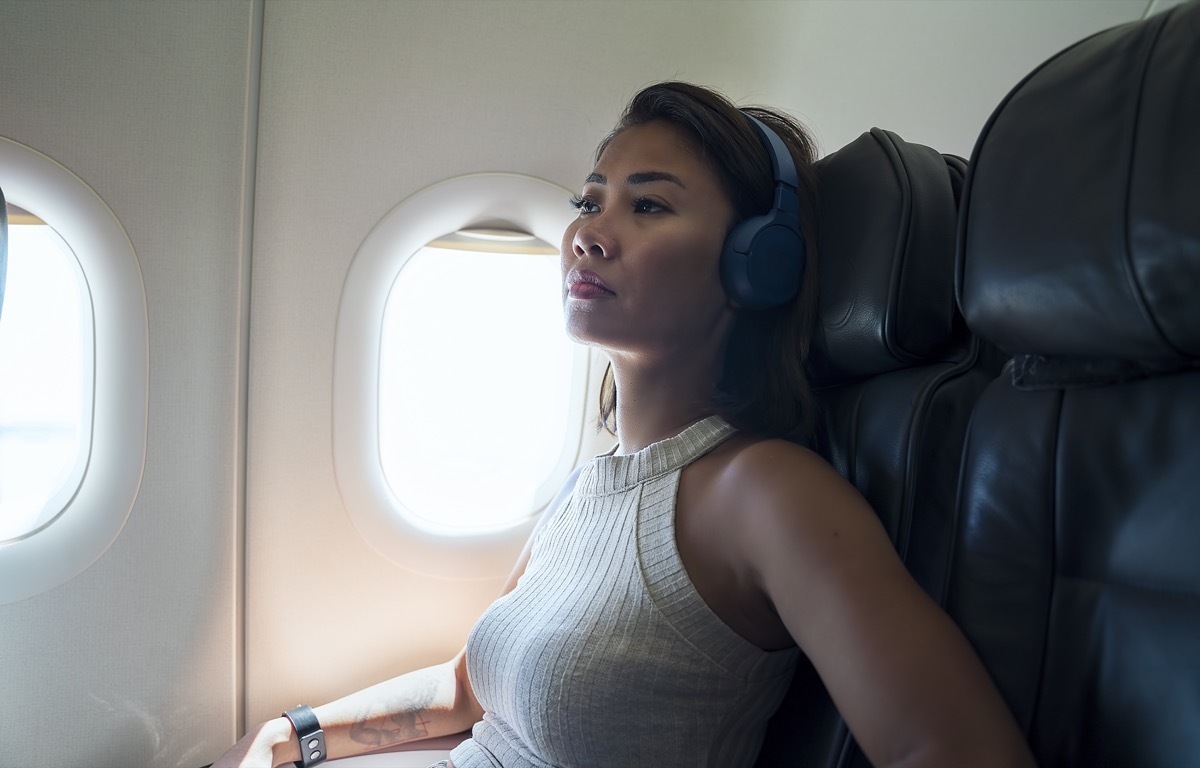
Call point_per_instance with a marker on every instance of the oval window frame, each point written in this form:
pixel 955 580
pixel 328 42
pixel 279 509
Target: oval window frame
pixel 100 507
pixel 532 204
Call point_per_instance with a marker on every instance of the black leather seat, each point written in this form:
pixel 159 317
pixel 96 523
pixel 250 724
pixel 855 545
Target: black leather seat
pixel 896 373
pixel 1077 566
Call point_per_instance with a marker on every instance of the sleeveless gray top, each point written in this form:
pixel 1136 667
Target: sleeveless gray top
pixel 605 654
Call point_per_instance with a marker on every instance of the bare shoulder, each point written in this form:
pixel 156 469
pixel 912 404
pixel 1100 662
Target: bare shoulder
pixel 775 460
pixel 806 533
pixel 780 484
pixel 899 671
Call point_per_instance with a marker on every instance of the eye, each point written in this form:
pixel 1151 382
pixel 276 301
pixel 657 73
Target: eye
pixel 646 205
pixel 583 205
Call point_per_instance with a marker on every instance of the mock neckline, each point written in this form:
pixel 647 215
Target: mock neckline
pixel 611 473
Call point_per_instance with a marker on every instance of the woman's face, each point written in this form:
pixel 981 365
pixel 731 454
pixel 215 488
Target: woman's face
pixel 640 264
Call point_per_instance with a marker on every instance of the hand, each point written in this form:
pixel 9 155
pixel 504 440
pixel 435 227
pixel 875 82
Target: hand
pixel 257 748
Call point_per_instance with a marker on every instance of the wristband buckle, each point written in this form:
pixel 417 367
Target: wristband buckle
pixel 309 734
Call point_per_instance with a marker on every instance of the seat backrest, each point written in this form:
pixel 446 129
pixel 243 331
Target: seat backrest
pixel 896 374
pixel 1076 573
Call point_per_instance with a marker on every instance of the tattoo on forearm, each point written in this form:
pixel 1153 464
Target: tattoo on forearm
pixel 406 725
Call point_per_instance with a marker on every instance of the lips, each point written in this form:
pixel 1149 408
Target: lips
pixel 586 284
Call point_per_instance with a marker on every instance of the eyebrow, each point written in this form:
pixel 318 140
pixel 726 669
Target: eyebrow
pixel 645 177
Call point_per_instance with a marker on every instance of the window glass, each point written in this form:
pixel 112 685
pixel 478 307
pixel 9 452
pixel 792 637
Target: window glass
pixel 46 347
pixel 477 381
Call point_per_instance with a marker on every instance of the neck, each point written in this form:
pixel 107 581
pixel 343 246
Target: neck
pixel 658 401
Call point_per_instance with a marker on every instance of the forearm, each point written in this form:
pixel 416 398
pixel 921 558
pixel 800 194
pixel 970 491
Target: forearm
pixel 421 704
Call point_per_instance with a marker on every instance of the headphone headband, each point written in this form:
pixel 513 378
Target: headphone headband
pixel 781 159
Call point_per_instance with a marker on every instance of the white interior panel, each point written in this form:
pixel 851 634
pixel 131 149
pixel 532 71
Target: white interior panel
pixel 133 661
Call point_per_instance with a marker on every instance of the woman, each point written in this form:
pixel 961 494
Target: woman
pixel 657 614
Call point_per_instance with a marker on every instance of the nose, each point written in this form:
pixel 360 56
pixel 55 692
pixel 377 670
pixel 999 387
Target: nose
pixel 592 238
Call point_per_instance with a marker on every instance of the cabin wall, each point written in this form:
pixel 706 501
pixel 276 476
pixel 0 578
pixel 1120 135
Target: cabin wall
pixel 162 108
pixel 134 661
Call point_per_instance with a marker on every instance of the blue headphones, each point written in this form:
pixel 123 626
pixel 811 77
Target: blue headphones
pixel 762 264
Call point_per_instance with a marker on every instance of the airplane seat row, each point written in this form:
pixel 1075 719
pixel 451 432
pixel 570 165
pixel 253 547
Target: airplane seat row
pixel 896 373
pixel 1076 573
pixel 1020 401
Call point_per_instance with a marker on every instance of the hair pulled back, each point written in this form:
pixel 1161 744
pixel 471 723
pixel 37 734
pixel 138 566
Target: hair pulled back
pixel 763 387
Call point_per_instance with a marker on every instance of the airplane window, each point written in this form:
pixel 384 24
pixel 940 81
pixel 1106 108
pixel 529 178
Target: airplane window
pixel 74 372
pixel 46 348
pixel 459 406
pixel 473 340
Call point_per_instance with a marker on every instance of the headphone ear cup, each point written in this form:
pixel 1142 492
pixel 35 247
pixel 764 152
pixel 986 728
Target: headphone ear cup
pixel 762 263
pixel 763 259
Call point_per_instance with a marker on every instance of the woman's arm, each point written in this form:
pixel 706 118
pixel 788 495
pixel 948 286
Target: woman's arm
pixel 907 682
pixel 435 701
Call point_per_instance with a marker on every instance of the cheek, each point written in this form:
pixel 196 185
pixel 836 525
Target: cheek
pixel 697 262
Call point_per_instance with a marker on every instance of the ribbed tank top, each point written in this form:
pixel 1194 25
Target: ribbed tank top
pixel 605 654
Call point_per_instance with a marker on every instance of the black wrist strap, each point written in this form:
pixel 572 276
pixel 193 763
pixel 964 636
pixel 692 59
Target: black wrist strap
pixel 310 735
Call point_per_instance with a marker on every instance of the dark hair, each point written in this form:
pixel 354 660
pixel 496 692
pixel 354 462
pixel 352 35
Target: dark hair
pixel 763 388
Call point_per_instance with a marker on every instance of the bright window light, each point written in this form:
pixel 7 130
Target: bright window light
pixel 46 349
pixel 477 378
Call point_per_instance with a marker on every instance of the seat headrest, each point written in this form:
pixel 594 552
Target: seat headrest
pixel 886 228
pixel 1079 246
